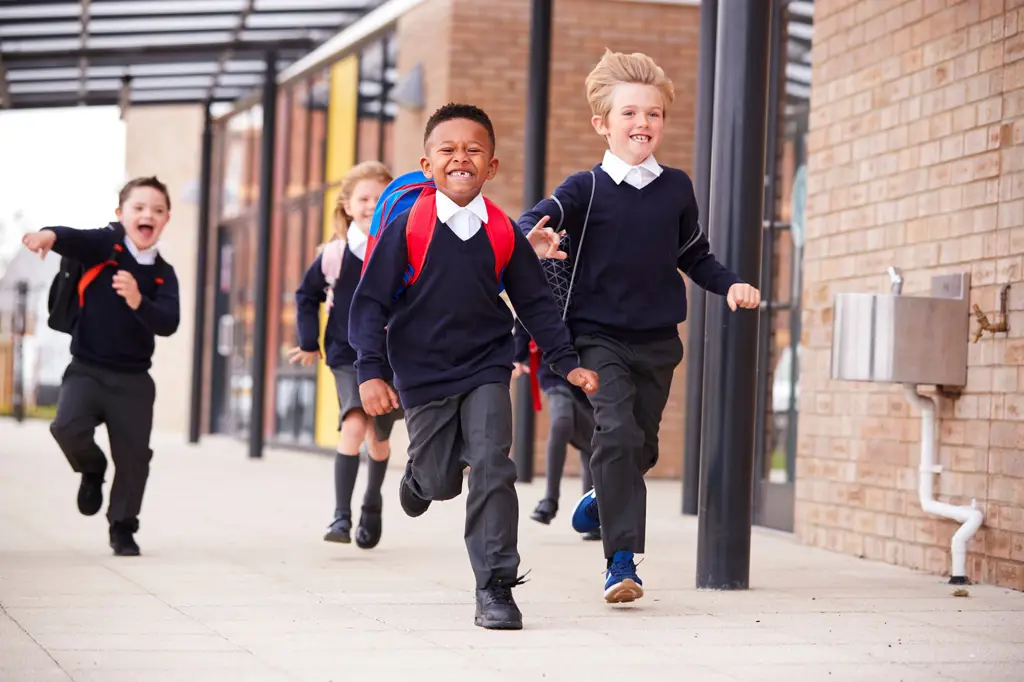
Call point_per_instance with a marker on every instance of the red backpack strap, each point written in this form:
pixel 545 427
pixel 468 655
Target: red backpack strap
pixel 419 230
pixel 535 356
pixel 90 275
pixel 502 235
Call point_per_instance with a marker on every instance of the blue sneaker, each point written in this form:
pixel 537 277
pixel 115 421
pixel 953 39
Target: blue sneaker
pixel 584 517
pixel 622 584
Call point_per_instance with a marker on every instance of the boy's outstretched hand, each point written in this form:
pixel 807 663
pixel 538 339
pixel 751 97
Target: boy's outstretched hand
pixel 377 397
pixel 743 296
pixel 585 379
pixel 545 241
pixel 40 242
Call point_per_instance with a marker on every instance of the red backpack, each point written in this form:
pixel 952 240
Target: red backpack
pixel 419 229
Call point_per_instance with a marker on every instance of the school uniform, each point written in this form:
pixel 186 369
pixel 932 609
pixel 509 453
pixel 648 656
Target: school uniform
pixel 340 358
pixel 449 340
pixel 627 301
pixel 108 379
pixel 338 353
pixel 570 422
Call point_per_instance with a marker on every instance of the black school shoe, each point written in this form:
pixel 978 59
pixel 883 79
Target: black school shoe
pixel 370 526
pixel 496 609
pixel 340 530
pixel 412 504
pixel 121 540
pixel 90 493
pixel 545 511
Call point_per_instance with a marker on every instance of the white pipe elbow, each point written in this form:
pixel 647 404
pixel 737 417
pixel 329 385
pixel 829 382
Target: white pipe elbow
pixel 970 517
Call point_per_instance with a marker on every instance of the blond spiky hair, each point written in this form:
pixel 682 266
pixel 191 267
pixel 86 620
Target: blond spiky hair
pixel 617 67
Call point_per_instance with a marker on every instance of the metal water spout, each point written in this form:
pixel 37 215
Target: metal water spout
pixel 897 280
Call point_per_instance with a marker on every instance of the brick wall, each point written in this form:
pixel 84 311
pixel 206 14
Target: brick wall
pixel 916 160
pixel 492 73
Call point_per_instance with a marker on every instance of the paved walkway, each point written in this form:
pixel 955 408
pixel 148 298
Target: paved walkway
pixel 235 584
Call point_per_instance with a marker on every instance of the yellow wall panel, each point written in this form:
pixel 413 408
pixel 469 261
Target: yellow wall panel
pixel 341 155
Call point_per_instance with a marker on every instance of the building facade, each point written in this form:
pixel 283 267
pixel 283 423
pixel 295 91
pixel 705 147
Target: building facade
pixel 895 138
pixel 915 160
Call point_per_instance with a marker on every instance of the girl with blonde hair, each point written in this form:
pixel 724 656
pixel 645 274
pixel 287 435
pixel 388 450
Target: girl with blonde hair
pixel 332 279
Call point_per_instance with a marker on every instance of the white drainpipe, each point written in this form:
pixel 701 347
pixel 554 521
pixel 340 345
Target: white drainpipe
pixel 971 517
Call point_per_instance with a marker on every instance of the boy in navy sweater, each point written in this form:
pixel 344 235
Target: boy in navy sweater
pixel 570 422
pixel 124 305
pixel 448 337
pixel 628 297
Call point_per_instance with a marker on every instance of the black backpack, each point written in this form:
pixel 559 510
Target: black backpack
pixel 62 301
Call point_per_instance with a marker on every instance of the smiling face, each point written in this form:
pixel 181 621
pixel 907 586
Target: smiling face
pixel 634 126
pixel 144 214
pixel 361 204
pixel 460 159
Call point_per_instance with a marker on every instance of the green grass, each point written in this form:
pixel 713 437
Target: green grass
pixel 47 412
pixel 779 460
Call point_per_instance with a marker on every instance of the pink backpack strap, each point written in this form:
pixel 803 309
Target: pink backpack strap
pixel 330 266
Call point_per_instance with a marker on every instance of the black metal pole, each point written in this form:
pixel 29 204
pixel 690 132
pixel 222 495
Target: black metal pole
pixel 737 193
pixel 697 309
pixel 202 253
pixel 535 164
pixel 384 91
pixel 20 327
pixel 266 208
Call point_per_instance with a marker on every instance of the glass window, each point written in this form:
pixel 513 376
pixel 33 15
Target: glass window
pixel 298 142
pixel 316 102
pixel 784 238
pixel 376 112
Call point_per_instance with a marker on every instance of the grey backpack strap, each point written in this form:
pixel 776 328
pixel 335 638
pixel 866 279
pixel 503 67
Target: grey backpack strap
pixel 579 249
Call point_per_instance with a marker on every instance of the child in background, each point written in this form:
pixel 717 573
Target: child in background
pixel 332 279
pixel 570 422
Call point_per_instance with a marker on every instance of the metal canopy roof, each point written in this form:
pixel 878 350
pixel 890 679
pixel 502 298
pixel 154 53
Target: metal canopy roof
pixel 94 52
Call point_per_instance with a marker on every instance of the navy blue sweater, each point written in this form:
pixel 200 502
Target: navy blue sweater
pixel 450 332
pixel 108 332
pixel 628 285
pixel 311 293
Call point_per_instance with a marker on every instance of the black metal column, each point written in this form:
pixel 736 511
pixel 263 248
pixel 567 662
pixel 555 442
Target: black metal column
pixel 18 364
pixel 697 309
pixel 535 164
pixel 266 208
pixel 383 99
pixel 202 251
pixel 737 193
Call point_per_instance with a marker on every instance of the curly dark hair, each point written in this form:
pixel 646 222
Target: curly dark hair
pixel 453 111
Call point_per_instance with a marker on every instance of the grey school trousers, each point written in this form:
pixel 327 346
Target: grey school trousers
pixel 634 385
pixel 474 430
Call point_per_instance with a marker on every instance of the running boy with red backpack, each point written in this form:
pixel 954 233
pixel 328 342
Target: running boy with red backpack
pixel 429 302
pixel 332 279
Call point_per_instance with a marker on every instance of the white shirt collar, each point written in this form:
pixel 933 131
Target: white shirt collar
pixel 144 257
pixel 446 208
pixel 357 241
pixel 617 169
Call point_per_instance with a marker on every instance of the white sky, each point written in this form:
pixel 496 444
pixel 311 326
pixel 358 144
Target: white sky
pixel 60 166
